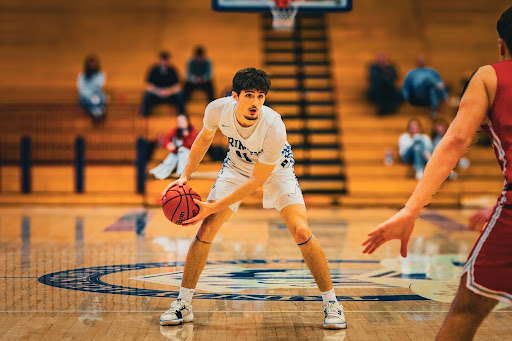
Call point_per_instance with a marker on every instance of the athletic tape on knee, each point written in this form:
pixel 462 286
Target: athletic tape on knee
pixel 307 241
pixel 204 241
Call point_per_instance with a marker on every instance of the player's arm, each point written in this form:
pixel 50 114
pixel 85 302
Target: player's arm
pixel 260 174
pixel 472 112
pixel 199 148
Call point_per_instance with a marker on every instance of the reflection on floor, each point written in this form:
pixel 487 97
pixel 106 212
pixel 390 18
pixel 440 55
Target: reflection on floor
pixel 108 273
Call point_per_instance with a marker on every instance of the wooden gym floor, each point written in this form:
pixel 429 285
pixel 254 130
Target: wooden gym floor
pixel 84 273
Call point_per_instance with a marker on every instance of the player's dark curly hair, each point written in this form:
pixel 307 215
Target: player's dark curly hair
pixel 251 78
pixel 504 27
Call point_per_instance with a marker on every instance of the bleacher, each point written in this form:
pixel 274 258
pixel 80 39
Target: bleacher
pixel 44 44
pixel 43 51
pixel 456 36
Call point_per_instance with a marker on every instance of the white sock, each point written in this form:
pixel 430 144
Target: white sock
pixel 186 294
pixel 329 296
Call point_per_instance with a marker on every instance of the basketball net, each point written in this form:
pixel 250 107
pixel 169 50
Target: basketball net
pixel 284 13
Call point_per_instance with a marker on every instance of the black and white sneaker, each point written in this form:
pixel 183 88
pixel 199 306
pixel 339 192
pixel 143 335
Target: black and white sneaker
pixel 334 316
pixel 179 312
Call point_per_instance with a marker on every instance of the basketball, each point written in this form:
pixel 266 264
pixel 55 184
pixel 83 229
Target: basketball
pixel 178 204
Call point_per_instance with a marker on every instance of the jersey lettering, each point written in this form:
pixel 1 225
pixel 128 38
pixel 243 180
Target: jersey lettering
pixel 244 156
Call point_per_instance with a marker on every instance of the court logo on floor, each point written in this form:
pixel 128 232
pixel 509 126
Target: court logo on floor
pixel 230 280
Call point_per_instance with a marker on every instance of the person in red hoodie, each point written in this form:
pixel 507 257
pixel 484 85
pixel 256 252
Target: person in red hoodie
pixel 178 142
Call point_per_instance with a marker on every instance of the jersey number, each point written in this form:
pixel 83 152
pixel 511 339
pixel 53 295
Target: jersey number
pixel 244 156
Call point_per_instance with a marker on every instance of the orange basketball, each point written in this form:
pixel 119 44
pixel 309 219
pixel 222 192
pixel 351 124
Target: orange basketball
pixel 178 204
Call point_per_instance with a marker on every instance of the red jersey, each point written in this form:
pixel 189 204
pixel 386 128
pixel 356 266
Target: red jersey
pixel 489 266
pixel 499 130
pixel 184 141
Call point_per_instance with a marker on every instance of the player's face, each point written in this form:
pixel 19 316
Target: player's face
pixel 249 103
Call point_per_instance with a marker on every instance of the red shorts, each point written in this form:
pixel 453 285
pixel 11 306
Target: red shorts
pixel 489 265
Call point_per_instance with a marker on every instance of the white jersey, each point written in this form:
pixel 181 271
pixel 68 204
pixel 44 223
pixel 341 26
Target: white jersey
pixel 265 141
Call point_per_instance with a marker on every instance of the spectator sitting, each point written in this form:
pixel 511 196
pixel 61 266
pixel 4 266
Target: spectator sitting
pixel 424 86
pixel 438 131
pixel 90 88
pixel 178 142
pixel 199 75
pixel 414 147
pixel 382 90
pixel 163 87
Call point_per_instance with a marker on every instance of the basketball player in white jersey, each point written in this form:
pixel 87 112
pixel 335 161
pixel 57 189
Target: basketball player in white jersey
pixel 259 155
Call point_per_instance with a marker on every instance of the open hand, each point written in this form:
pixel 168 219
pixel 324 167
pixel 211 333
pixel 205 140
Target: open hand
pixel 180 182
pixel 205 209
pixel 480 218
pixel 399 226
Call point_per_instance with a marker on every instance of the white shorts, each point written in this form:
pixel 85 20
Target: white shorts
pixel 280 190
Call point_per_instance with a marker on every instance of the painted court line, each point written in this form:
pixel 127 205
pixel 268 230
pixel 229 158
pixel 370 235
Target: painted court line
pixel 231 311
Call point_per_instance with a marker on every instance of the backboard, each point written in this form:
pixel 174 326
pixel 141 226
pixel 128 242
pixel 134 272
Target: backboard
pixel 303 6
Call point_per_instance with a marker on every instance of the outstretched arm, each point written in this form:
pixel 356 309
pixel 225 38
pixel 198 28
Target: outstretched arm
pixel 472 112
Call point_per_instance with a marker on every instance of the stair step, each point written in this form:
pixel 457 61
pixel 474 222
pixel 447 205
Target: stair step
pixel 308 117
pixel 320 103
pixel 309 124
pixel 315 146
pixel 326 89
pixel 319 162
pixel 293 50
pixel 291 44
pixel 294 75
pixel 316 154
pixel 306 39
pixel 313 139
pixel 298 36
pixel 323 177
pixel 314 169
pixel 324 191
pixel 304 63
pixel 313 131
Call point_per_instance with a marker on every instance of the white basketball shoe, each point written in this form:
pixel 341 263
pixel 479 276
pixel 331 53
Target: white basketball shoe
pixel 179 312
pixel 334 316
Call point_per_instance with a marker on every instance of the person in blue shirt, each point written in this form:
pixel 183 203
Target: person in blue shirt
pixel 90 88
pixel 424 86
pixel 199 74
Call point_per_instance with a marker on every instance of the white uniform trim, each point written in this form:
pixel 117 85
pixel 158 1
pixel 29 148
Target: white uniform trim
pixel 497 143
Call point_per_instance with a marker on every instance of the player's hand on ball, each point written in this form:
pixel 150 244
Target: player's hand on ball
pixel 399 226
pixel 205 209
pixel 478 220
pixel 180 182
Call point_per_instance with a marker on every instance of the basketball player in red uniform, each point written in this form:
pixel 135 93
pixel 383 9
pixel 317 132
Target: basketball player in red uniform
pixel 487 275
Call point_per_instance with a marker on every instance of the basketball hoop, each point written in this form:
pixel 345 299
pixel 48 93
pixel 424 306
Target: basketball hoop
pixel 283 12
